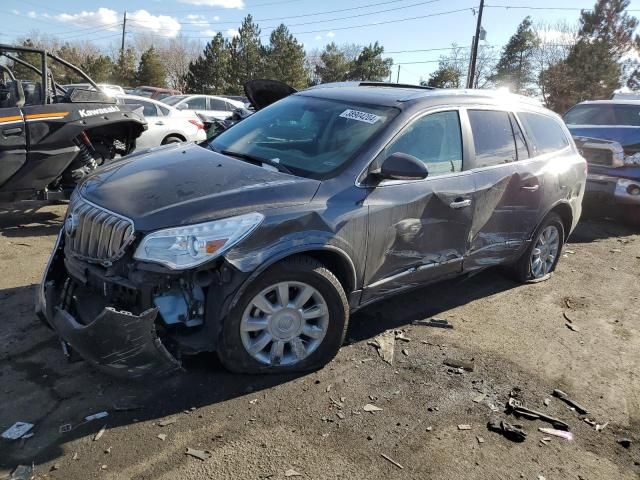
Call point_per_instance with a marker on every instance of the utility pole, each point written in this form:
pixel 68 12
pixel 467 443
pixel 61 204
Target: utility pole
pixel 474 52
pixel 124 28
pixel 398 77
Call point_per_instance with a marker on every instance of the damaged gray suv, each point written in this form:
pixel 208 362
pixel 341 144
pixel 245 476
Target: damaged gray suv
pixel 260 243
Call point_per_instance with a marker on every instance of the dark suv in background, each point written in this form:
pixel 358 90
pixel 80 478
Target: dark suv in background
pixel 259 244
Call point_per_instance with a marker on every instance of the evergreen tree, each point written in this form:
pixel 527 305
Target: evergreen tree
pixel 246 56
pixel 446 76
pixel 100 68
pixel 209 72
pixel 334 65
pixel 515 67
pixel 151 70
pixel 24 73
pixel 591 71
pixel 285 59
pixel 125 68
pixel 369 65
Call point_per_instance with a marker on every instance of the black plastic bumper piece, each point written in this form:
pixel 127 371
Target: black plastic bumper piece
pixel 117 342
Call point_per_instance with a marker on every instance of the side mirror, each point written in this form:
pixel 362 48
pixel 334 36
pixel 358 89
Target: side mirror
pixel 402 166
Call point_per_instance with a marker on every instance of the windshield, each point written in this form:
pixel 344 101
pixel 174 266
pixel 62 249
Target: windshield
pixel 604 114
pixel 142 92
pixel 311 137
pixel 173 99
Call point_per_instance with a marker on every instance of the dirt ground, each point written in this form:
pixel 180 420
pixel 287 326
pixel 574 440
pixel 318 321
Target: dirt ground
pixel 314 425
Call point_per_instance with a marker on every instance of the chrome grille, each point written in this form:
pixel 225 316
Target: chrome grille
pixel 95 234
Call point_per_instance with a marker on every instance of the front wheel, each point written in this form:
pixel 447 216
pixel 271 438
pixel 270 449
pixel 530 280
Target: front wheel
pixel 292 318
pixel 541 258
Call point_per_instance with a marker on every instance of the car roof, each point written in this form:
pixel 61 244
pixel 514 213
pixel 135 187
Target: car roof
pixel 146 99
pixel 389 94
pixel 610 102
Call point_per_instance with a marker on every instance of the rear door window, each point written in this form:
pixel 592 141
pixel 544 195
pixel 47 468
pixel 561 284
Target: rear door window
pixel 217 104
pixel 546 133
pixel 434 139
pixel 197 103
pixel 492 137
pixel 149 109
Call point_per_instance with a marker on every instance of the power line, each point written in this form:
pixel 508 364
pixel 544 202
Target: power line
pixel 317 13
pixel 257 5
pixel 527 7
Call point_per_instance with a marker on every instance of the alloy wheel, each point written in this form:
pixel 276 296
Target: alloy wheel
pixel 284 323
pixel 545 251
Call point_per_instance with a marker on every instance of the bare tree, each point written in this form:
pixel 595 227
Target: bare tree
pixel 177 53
pixel 554 42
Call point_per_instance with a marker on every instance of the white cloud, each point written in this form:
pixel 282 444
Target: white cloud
pixel 318 37
pixel 32 14
pixel 216 18
pixel 556 37
pixel 239 4
pixel 162 25
pixel 331 34
pixel 15 12
pixel 100 18
pixel 208 33
pixel 232 32
pixel 197 20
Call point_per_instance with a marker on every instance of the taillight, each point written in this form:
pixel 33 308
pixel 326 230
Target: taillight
pixel 197 123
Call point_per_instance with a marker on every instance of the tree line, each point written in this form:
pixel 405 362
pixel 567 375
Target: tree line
pixel 559 63
pixel 562 64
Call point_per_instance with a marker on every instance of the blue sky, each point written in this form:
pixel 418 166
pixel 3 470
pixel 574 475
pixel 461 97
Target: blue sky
pixel 414 24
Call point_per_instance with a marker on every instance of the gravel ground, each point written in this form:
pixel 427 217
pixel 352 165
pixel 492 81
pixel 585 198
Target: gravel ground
pixel 314 425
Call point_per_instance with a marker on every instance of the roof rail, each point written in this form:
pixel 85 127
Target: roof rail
pixel 394 85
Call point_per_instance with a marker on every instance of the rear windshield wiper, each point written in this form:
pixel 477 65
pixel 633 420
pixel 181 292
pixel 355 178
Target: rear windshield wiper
pixel 254 159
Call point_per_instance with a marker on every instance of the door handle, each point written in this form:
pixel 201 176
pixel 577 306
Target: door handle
pixel 12 131
pixel 530 188
pixel 460 204
pixel 159 122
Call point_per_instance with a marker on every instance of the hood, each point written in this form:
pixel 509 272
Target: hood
pixel 184 184
pixel 262 93
pixel 627 136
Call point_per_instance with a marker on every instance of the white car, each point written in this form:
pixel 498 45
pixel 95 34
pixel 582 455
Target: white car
pixel 208 106
pixel 165 123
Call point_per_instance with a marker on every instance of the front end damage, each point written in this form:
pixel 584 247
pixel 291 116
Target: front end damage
pixel 125 317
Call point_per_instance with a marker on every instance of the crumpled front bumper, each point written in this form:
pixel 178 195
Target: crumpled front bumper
pixel 117 342
pixel 612 189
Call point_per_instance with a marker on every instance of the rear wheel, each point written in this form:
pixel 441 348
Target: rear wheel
pixel 541 258
pixel 293 317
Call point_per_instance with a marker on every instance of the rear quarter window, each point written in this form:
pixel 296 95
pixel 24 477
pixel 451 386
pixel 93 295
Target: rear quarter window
pixel 546 133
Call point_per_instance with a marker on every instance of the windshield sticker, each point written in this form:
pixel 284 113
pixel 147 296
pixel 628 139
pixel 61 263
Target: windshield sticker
pixel 360 116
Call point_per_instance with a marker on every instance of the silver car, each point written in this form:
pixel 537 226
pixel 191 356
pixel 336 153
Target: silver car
pixel 166 123
pixel 208 106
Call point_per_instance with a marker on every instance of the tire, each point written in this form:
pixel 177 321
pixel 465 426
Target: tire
pixel 293 275
pixel 171 139
pixel 523 270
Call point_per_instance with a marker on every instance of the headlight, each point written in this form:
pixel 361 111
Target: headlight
pixel 186 247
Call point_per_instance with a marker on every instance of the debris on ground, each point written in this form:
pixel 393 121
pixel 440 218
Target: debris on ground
pixel 199 454
pixel 478 398
pixel 385 343
pixel 292 473
pixel 126 408
pixel 400 336
pixel 107 451
pixel 17 430
pixel 546 402
pixel 391 460
pixel 515 406
pixel 456 363
pixel 96 416
pixel 464 427
pixel 567 317
pixel 340 415
pixel 433 322
pixel 572 327
pixel 625 442
pixel 599 427
pixel 255 400
pixel 75 456
pixel 369 407
pixel 514 432
pixel 480 439
pixel 22 472
pixel 405 352
pixel 162 436
pixel 100 433
pixel 557 433
pixel 565 398
pixel 168 421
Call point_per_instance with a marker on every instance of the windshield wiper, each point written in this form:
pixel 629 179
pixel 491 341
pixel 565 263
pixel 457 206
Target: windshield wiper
pixel 254 159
